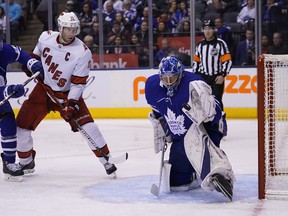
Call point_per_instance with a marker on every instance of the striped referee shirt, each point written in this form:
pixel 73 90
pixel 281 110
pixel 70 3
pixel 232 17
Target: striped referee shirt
pixel 212 58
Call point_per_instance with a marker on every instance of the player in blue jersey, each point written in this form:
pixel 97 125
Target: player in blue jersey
pixel 187 115
pixel 8 55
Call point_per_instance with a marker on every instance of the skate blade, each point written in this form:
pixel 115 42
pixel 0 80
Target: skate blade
pixel 114 175
pixel 223 190
pixel 28 171
pixel 10 178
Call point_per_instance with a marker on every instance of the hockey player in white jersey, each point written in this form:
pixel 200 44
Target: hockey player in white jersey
pixel 186 114
pixel 66 62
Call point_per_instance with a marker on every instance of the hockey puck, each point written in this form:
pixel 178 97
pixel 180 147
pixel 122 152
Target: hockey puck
pixel 186 106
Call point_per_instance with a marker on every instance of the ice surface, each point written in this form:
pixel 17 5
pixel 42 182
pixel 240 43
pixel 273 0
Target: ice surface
pixel 70 181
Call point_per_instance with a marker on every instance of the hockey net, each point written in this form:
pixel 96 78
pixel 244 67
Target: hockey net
pixel 272 99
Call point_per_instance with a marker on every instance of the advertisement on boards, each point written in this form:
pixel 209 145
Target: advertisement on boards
pixel 125 89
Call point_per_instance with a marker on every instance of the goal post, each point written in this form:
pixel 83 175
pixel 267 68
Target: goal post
pixel 272 106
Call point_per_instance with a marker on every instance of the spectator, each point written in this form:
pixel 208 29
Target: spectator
pixel 162 30
pixel 223 6
pixel 117 5
pixel 265 44
pixel 117 47
pixel 270 15
pixel 143 56
pixel 124 23
pixel 172 8
pixel 2 24
pixel 130 14
pixel 181 13
pixel 109 15
pixel 23 18
pixel 278 47
pixel 224 32
pixel 95 33
pixel 247 15
pixel 170 24
pixel 86 19
pixel 142 34
pixel 142 18
pixel 245 53
pixel 117 31
pixel 15 13
pixel 71 7
pixel 138 5
pixel 183 28
pixel 135 46
pixel 165 51
pixel 42 14
pixel 89 42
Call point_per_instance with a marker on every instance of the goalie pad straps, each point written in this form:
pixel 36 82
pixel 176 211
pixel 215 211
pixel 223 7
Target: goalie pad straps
pixel 160 136
pixel 201 106
pixel 205 157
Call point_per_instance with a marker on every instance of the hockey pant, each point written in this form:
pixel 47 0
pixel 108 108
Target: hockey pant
pixel 8 131
pixel 35 109
pixel 181 169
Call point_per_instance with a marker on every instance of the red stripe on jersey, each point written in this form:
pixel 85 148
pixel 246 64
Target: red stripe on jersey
pixel 79 80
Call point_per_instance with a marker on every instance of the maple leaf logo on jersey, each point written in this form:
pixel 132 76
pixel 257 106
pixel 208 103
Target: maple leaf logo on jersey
pixel 176 124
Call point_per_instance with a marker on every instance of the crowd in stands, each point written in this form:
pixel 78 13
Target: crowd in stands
pixel 125 25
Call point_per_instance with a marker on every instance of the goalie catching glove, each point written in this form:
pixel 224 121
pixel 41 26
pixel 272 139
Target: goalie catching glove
pixel 160 136
pixel 70 110
pixel 201 106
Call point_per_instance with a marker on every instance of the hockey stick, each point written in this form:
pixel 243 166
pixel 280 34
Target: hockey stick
pixel 113 160
pixel 24 84
pixel 155 189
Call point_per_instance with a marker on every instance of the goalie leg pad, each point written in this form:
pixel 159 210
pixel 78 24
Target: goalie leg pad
pixel 194 142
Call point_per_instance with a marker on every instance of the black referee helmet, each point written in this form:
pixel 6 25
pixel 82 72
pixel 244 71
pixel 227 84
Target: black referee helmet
pixel 208 23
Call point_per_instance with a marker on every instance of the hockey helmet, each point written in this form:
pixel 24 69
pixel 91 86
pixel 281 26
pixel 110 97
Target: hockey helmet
pixel 70 20
pixel 208 23
pixel 171 73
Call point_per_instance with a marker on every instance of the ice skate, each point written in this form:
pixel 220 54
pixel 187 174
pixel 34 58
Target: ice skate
pixel 29 168
pixel 110 169
pixel 12 171
pixel 223 186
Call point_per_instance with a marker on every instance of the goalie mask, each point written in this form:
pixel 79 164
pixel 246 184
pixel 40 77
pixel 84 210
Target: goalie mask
pixel 69 20
pixel 171 72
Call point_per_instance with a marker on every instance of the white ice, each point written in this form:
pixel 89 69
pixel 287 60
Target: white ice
pixel 70 181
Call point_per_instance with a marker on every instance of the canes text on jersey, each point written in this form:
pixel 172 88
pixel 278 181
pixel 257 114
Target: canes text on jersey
pixel 53 66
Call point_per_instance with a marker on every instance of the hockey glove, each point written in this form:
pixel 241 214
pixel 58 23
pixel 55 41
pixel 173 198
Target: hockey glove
pixel 160 136
pixel 70 110
pixel 16 90
pixel 34 65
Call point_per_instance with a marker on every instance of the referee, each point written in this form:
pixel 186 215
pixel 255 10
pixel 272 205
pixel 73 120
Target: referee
pixel 212 60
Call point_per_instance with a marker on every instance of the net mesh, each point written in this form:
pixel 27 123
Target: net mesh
pixel 276 125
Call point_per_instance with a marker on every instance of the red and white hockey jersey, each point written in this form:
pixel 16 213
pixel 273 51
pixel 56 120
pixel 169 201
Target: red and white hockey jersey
pixel 66 66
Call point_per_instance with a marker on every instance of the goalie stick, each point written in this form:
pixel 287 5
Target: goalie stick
pixel 155 189
pixel 24 84
pixel 221 184
pixel 113 160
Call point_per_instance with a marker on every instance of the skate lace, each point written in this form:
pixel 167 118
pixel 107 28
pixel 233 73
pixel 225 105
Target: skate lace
pixel 13 167
pixel 108 166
